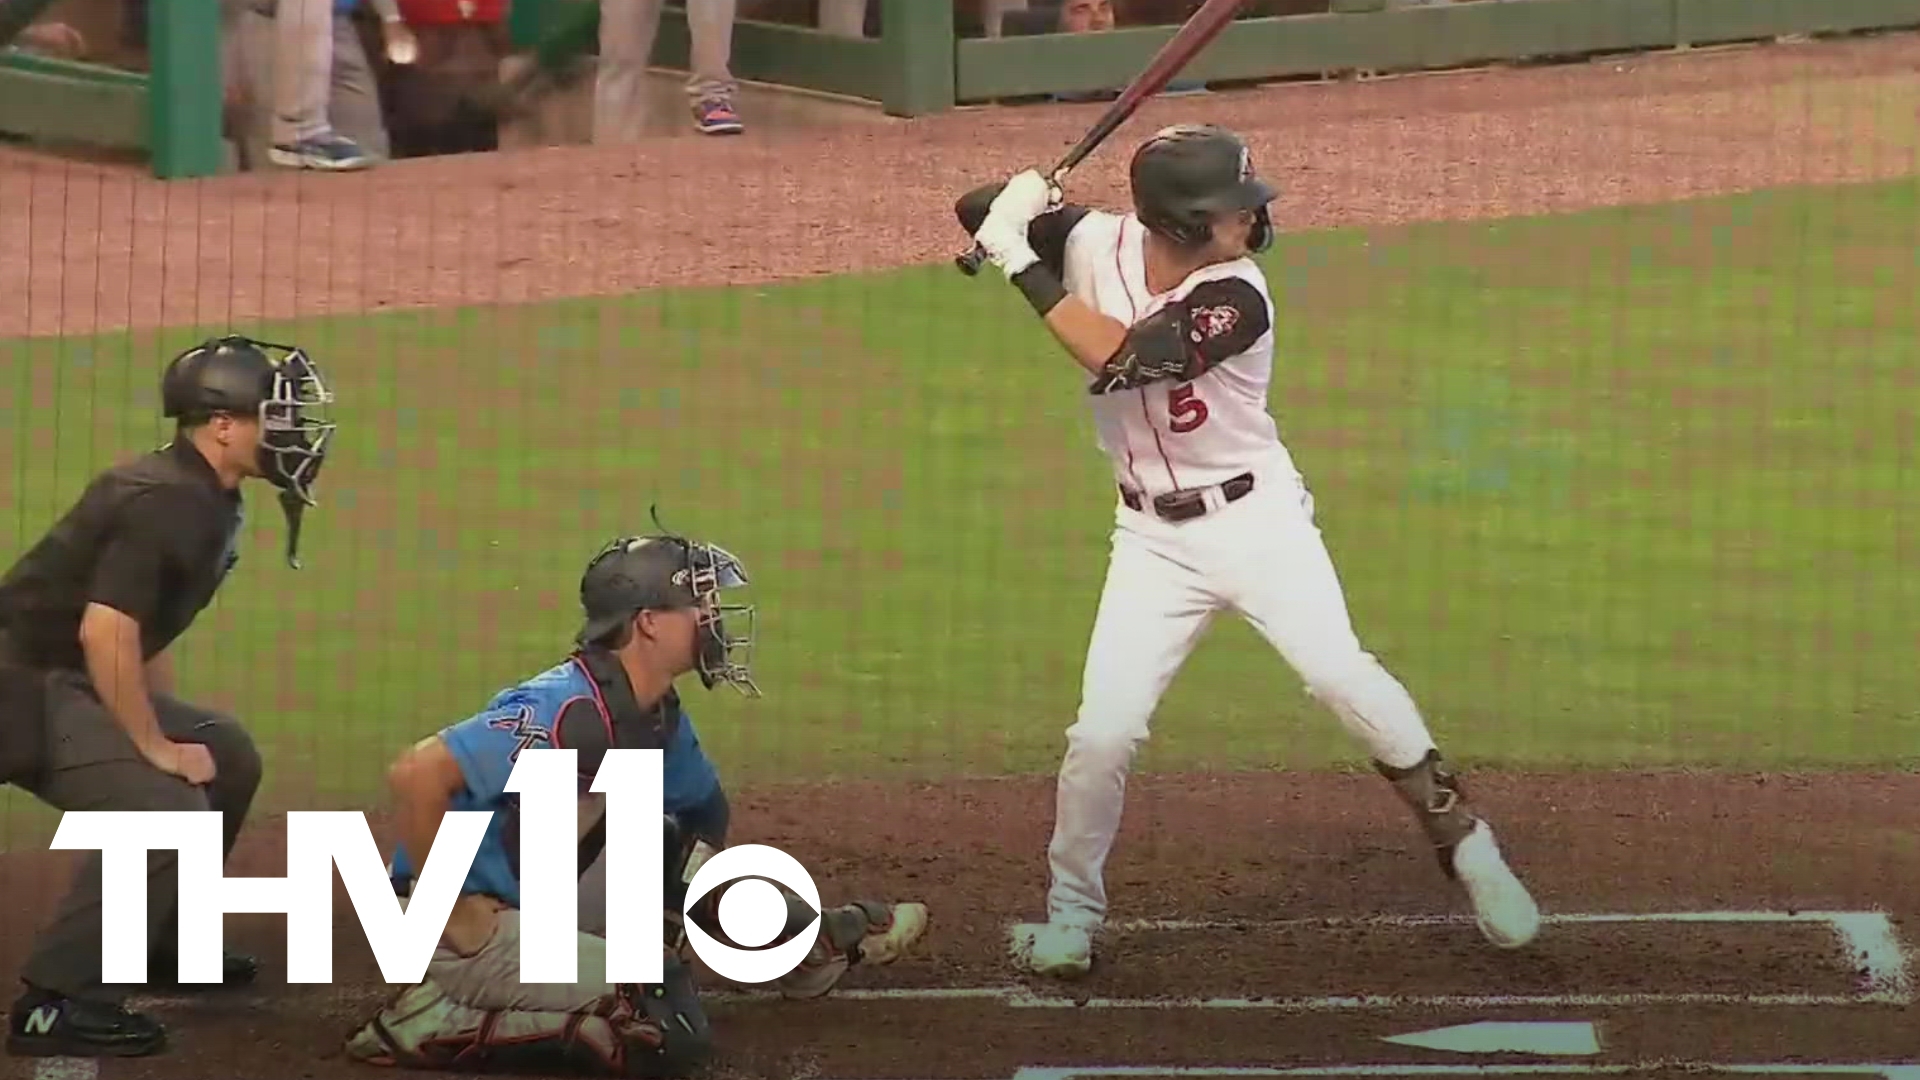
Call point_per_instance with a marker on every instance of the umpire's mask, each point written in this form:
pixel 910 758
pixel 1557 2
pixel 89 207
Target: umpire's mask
pixel 294 428
pixel 240 376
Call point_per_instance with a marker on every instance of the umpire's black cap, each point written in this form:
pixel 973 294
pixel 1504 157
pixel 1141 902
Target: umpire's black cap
pixel 649 573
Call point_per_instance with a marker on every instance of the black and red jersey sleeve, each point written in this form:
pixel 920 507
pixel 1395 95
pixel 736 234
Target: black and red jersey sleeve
pixel 1215 322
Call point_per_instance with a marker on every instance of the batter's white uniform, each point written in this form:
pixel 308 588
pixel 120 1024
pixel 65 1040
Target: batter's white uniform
pixel 1258 554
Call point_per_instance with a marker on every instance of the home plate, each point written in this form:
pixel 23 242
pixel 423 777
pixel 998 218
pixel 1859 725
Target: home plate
pixel 1497 1036
pixel 65 1068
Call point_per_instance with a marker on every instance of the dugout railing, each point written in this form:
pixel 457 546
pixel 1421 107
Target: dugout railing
pixel 919 64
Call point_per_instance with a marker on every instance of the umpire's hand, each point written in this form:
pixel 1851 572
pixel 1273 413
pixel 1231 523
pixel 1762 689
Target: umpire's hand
pixel 191 762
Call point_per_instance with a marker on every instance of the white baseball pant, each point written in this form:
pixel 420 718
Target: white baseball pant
pixel 1261 556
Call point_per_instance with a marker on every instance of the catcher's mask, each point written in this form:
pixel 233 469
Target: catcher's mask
pixel 279 385
pixel 663 572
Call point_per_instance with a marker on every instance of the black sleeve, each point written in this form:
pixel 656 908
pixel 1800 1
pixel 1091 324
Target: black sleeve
pixel 1048 233
pixel 153 535
pixel 1218 320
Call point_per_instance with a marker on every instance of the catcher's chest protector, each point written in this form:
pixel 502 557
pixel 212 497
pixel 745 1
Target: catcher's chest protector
pixel 610 720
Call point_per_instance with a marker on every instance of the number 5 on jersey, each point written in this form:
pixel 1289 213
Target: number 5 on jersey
pixel 1185 410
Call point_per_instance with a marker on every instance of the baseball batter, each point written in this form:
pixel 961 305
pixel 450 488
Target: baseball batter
pixel 1173 323
pixel 653 613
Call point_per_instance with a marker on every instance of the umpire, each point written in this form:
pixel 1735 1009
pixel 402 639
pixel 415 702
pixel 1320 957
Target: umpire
pixel 88 720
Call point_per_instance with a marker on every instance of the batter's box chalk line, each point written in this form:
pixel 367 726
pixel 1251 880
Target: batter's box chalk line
pixel 65 1068
pixel 1867 940
pixel 1885 1072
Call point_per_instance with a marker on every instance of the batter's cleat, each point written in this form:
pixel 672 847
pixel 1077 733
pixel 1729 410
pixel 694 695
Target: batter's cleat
pixel 1505 911
pixel 1055 950
pixel 44 1025
pixel 887 934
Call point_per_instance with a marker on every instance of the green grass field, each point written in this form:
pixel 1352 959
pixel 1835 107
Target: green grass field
pixel 1629 488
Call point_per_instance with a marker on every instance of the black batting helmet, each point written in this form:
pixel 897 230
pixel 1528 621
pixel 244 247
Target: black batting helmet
pixel 1187 175
pixel 241 377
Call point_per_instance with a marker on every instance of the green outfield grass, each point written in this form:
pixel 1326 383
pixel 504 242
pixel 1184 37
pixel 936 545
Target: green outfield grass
pixel 1634 487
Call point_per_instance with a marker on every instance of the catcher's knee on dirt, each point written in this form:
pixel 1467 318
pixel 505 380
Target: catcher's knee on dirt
pixel 635 1031
pixel 1437 801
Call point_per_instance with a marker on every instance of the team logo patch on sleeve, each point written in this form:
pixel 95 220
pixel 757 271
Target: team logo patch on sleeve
pixel 1213 322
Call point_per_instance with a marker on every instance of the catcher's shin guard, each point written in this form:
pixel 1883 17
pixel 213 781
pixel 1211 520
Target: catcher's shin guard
pixel 636 1031
pixel 1437 801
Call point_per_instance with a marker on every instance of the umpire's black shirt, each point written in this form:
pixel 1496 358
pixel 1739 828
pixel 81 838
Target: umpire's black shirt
pixel 152 538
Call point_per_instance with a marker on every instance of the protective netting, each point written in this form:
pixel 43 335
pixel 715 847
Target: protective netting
pixel 1602 375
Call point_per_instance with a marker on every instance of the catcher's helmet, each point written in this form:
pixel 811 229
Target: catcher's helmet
pixel 663 572
pixel 241 377
pixel 1189 174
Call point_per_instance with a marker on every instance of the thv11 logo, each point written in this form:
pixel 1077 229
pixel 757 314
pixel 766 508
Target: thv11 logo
pixel 404 937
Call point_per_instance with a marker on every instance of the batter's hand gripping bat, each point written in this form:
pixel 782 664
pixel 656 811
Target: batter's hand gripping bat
pixel 1200 28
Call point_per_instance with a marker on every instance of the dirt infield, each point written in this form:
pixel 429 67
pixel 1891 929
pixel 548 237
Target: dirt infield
pixel 1303 937
pixel 1296 931
pixel 96 248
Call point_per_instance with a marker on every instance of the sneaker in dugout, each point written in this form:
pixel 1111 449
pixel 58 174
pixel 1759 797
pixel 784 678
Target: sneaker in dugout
pixel 328 152
pixel 715 116
pixel 44 1025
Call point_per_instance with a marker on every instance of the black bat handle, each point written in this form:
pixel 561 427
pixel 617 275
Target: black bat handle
pixel 969 263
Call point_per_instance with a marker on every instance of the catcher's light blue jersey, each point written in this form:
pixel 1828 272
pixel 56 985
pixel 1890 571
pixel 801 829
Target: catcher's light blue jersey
pixel 525 717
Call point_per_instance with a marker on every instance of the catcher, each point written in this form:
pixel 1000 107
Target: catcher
pixel 653 613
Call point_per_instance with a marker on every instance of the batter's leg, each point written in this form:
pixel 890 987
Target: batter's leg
pixel 1152 612
pixel 1284 583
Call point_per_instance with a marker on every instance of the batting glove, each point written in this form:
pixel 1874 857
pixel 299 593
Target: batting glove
pixel 1006 244
pixel 1025 196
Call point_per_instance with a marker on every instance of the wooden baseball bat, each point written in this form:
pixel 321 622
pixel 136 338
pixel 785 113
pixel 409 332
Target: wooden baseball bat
pixel 1200 28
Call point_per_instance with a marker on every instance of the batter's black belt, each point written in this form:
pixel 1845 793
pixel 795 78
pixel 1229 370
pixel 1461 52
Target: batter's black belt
pixel 1188 503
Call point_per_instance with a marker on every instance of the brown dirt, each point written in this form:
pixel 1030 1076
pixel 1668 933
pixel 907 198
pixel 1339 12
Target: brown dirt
pixel 91 248
pixel 96 248
pixel 1312 859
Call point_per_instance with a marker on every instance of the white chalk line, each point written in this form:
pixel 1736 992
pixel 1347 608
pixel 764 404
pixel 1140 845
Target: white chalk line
pixel 1020 997
pixel 1871 941
pixel 1885 1071
pixel 1868 939
pixel 65 1068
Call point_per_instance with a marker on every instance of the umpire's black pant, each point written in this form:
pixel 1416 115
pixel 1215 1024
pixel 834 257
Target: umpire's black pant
pixel 88 762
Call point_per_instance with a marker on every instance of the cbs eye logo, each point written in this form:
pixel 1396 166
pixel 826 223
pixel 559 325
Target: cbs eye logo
pixel 752 912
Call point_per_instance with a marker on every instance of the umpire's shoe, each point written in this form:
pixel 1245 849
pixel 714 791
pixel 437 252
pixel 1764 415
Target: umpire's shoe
pixel 47 1025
